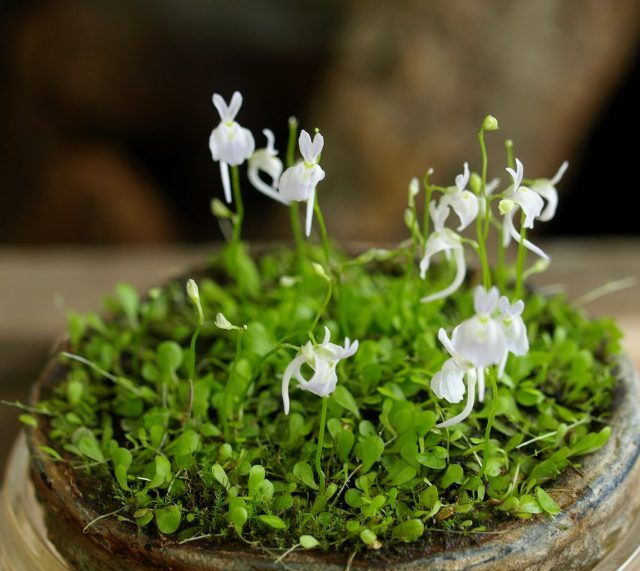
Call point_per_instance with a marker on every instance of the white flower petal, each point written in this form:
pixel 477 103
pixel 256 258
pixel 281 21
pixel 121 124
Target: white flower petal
pixel 461 271
pixel 471 389
pixel 485 301
pixel 439 213
pixel 234 106
pixel 481 341
pixel 530 202
pixel 480 372
pixel 305 146
pixel 447 383
pixel 463 179
pixel 511 232
pixel 310 205
pixel 226 183
pixel 292 367
pixel 465 204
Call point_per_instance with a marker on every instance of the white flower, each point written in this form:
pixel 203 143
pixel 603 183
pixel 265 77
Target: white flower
pixel 298 183
pixel 266 160
pixel 531 204
pixel 442 240
pixel 480 339
pixel 514 328
pixel 546 188
pixel 323 359
pixel 230 143
pixel 448 382
pixel 464 203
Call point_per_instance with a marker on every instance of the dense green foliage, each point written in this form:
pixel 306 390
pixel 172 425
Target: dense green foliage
pixel 232 464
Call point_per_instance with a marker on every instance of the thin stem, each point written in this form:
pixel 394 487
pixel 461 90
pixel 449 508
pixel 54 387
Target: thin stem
pixel 481 221
pixel 490 419
pixel 192 370
pixel 323 307
pixel 296 229
pixel 501 264
pixel 293 208
pixel 323 231
pixel 226 404
pixel 291 143
pixel 323 421
pixel 237 197
pixel 522 254
pixel 428 189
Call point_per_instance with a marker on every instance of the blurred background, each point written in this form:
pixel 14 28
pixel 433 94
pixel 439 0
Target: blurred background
pixel 105 114
pixel 105 107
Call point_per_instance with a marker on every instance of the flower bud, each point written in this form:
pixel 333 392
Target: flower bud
pixel 220 210
pixel 506 205
pixel 223 323
pixel 319 270
pixel 414 187
pixel 475 182
pixel 194 295
pixel 490 123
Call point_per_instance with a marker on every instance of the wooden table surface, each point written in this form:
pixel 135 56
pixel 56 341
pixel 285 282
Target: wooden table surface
pixel 39 286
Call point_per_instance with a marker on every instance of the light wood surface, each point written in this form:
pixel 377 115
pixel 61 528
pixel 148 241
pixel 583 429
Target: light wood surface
pixel 39 286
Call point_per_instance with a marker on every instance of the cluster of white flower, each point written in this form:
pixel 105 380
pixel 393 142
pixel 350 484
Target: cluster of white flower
pixel 468 206
pixel 322 358
pixel 481 341
pixel 232 145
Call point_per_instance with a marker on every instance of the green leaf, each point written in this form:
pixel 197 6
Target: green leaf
pixel 169 357
pixel 308 541
pixel 368 537
pixel 369 450
pixel 162 472
pixel 547 503
pixel 186 444
pixel 304 473
pixel 528 504
pixel 345 399
pixel 256 477
pixel 344 443
pixel 75 390
pixel 121 458
pixel 591 442
pixel 401 473
pixel 90 448
pixel 221 476
pixel 429 497
pixel 454 474
pixel 408 531
pixel 29 420
pixel 129 301
pixel 272 521
pixel 238 516
pixel 77 327
pixel 50 451
pixel 435 458
pixel 168 519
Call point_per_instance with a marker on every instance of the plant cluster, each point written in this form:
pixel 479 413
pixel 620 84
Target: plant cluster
pixel 184 403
